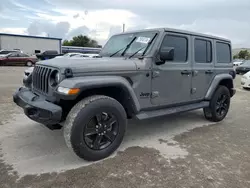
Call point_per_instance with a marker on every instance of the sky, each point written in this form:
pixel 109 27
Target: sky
pixel 100 19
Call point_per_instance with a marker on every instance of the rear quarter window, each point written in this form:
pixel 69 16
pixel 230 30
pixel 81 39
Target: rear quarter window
pixel 223 52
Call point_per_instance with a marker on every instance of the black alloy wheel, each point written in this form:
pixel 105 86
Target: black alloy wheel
pixel 222 105
pixel 101 131
pixel 219 105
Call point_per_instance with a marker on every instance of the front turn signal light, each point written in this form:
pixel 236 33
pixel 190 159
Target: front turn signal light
pixel 68 91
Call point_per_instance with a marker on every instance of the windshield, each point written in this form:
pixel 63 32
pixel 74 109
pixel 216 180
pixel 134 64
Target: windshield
pixel 117 42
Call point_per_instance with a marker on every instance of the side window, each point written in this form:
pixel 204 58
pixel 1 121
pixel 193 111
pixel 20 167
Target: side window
pixel 223 52
pixel 14 54
pixel 180 45
pixel 203 51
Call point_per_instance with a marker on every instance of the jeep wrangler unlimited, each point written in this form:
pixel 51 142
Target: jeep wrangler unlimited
pixel 141 74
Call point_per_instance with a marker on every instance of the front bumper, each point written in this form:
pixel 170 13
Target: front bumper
pixel 37 108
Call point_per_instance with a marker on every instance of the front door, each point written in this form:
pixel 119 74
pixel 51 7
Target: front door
pixel 171 82
pixel 203 66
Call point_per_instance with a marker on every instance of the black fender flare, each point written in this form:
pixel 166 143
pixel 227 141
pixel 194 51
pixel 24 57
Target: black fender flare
pixel 94 82
pixel 216 81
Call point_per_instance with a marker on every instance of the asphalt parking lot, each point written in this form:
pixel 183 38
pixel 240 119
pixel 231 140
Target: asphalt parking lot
pixel 176 151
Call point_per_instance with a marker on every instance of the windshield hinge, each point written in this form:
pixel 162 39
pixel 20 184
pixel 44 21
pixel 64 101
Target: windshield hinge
pixel 155 74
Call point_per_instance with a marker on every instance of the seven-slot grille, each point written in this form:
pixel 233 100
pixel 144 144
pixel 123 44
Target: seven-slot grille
pixel 40 78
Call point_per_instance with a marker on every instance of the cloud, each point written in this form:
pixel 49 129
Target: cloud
pixel 83 30
pixel 59 29
pixel 101 18
pixel 220 17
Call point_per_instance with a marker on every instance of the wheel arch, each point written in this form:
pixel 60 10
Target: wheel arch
pixel 222 79
pixel 116 87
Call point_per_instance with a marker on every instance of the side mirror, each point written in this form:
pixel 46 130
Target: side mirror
pixel 167 54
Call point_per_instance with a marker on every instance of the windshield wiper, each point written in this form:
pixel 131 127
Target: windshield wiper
pixel 147 46
pixel 125 48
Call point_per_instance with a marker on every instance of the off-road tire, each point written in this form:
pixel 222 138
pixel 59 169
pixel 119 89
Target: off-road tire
pixel 210 112
pixel 78 118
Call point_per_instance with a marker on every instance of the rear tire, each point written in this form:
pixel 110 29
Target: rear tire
pixel 84 131
pixel 29 64
pixel 219 105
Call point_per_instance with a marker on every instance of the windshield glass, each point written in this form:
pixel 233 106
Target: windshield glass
pixel 118 42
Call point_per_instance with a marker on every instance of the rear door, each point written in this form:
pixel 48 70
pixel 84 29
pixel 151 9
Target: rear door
pixel 203 66
pixel 23 58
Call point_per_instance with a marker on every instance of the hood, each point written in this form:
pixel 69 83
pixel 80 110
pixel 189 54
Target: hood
pixel 103 64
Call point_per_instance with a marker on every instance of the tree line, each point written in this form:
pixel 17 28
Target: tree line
pixel 243 54
pixel 82 41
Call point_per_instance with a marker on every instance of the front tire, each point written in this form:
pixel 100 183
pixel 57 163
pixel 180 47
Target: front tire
pixel 95 127
pixel 219 105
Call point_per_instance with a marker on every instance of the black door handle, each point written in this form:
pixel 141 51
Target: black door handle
pixel 186 72
pixel 209 72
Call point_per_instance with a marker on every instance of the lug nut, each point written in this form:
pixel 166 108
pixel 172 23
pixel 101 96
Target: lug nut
pixel 104 132
pixel 97 126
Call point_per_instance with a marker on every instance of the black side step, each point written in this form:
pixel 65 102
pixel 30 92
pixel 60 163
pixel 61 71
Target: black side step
pixel 173 110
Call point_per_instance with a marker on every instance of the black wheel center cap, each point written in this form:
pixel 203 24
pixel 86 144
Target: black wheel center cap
pixel 101 128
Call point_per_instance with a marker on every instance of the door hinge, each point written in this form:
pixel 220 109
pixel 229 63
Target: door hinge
pixel 195 73
pixel 155 94
pixel 155 74
pixel 193 90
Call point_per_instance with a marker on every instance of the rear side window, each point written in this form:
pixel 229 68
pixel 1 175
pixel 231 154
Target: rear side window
pixel 50 52
pixel 23 55
pixel 180 45
pixel 223 52
pixel 203 51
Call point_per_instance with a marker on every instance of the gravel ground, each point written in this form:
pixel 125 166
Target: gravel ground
pixel 187 152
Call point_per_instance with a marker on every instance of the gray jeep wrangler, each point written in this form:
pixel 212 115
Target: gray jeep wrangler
pixel 141 74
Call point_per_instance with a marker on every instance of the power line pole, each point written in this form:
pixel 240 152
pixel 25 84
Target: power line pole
pixel 123 28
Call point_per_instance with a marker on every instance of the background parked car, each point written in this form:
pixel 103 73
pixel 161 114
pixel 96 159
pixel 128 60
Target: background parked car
pixel 245 80
pixel 238 62
pixel 69 55
pixel 17 58
pixel 5 52
pixel 88 55
pixel 27 76
pixel 243 68
pixel 48 54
